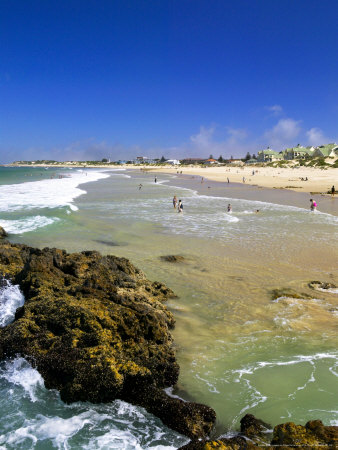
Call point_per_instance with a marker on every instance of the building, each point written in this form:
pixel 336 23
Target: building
pixel 326 150
pixel 193 161
pixel 140 159
pixel 298 152
pixel 269 155
pixel 211 161
pixel 173 162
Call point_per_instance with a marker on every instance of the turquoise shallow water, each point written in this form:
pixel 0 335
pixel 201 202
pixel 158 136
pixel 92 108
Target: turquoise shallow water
pixel 239 350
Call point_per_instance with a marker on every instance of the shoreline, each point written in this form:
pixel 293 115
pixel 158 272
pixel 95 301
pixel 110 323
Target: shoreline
pixel 318 181
pixel 246 191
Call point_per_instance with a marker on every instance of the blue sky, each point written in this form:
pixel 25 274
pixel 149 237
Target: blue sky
pixel 120 78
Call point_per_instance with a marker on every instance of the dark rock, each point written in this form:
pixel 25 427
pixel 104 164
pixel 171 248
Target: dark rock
pixel 255 429
pixel 97 330
pixel 109 243
pixel 290 293
pixel 321 285
pixel 234 443
pixel 313 435
pixel 3 233
pixel 173 258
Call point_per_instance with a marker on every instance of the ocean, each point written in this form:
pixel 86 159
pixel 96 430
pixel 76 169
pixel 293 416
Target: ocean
pixel 241 349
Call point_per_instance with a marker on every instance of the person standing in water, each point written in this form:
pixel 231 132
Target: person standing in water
pixel 333 191
pixel 175 201
pixel 180 206
pixel 155 179
pixel 313 205
pixel 229 208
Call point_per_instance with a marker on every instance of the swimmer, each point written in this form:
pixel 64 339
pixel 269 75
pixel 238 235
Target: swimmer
pixel 229 209
pixel 313 205
pixel 155 180
pixel 139 187
pixel 180 206
pixel 175 201
pixel 257 211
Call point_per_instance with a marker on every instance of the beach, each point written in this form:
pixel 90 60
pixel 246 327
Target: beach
pixel 244 343
pixel 317 180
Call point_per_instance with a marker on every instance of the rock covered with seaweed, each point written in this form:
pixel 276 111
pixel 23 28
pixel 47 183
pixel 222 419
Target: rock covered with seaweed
pixel 97 330
pixel 256 434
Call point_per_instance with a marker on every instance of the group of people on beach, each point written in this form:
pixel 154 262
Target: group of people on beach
pixel 178 205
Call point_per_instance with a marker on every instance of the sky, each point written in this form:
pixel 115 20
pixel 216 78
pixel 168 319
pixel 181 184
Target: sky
pixel 93 79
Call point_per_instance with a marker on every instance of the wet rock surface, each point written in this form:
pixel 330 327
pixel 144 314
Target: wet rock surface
pixel 255 429
pixel 313 435
pixel 285 436
pixel 97 330
pixel 289 293
pixel 320 285
pixel 3 233
pixel 172 258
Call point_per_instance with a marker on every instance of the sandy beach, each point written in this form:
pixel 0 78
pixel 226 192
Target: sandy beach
pixel 318 180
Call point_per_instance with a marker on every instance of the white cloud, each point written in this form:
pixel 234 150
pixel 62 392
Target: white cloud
pixel 225 141
pixel 204 138
pixel 275 109
pixel 316 137
pixel 283 133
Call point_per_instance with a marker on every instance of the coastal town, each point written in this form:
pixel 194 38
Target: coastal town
pixel 323 156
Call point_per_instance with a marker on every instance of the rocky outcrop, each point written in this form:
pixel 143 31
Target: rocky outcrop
pixel 320 285
pixel 289 293
pixel 285 436
pixel 255 429
pixel 172 258
pixel 97 330
pixel 3 233
pixel 234 443
pixel 313 435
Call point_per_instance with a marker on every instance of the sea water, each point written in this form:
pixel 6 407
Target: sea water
pixel 240 350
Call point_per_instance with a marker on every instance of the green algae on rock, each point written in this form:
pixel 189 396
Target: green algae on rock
pixel 313 435
pixel 97 330
pixel 3 233
pixel 321 286
pixel 289 293
pixel 255 429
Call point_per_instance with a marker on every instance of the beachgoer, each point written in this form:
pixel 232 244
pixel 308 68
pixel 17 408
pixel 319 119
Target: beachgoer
pixel 243 179
pixel 139 187
pixel 228 179
pixel 175 201
pixel 155 179
pixel 333 191
pixel 202 180
pixel 180 206
pixel 229 208
pixel 313 205
pixel 257 211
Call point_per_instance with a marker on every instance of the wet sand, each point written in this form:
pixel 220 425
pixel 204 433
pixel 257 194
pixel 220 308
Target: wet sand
pixel 326 203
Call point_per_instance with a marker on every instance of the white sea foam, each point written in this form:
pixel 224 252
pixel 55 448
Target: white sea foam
pixel 46 421
pixel 20 373
pixel 11 299
pixel 28 224
pixel 50 193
